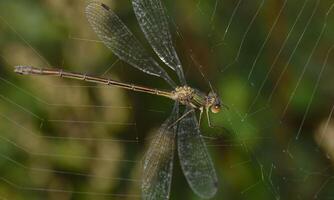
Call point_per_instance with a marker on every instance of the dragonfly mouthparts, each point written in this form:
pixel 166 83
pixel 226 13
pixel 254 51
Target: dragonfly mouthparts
pixel 24 70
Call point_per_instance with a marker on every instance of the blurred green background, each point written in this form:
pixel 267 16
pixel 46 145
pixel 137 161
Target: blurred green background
pixel 270 60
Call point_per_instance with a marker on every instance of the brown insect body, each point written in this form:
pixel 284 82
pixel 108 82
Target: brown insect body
pixel 196 99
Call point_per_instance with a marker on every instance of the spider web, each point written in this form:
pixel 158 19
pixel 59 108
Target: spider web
pixel 271 62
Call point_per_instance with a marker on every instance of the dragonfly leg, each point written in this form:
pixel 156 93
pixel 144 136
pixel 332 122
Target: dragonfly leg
pixel 214 126
pixel 183 116
pixel 208 117
pixel 200 116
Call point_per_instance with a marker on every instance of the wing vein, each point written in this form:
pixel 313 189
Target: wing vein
pixel 117 37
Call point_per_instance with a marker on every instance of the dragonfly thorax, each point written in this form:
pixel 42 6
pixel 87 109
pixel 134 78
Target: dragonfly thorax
pixel 183 94
pixel 197 99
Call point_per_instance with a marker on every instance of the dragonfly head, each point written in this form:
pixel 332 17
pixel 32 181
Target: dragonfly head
pixel 214 102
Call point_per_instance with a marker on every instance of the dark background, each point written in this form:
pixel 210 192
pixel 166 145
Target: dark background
pixel 271 61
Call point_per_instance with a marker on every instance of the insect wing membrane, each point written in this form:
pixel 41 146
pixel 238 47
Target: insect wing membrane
pixel 117 37
pixel 153 21
pixel 194 157
pixel 158 161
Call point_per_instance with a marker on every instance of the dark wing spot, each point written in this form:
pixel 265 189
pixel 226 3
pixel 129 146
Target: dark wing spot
pixel 105 6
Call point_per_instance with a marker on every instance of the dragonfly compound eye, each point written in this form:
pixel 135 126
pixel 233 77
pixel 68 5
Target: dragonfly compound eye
pixel 215 108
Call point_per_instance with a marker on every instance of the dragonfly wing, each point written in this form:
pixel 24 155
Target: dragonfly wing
pixel 153 21
pixel 158 161
pixel 194 157
pixel 117 37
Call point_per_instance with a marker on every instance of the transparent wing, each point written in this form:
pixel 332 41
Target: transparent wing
pixel 153 21
pixel 158 161
pixel 116 36
pixel 194 158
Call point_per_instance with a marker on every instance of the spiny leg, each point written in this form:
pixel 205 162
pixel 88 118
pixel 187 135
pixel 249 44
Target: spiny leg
pixel 200 116
pixel 214 126
pixel 183 116
pixel 208 117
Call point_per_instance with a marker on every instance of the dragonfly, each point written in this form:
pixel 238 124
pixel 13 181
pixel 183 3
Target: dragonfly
pixel 179 130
